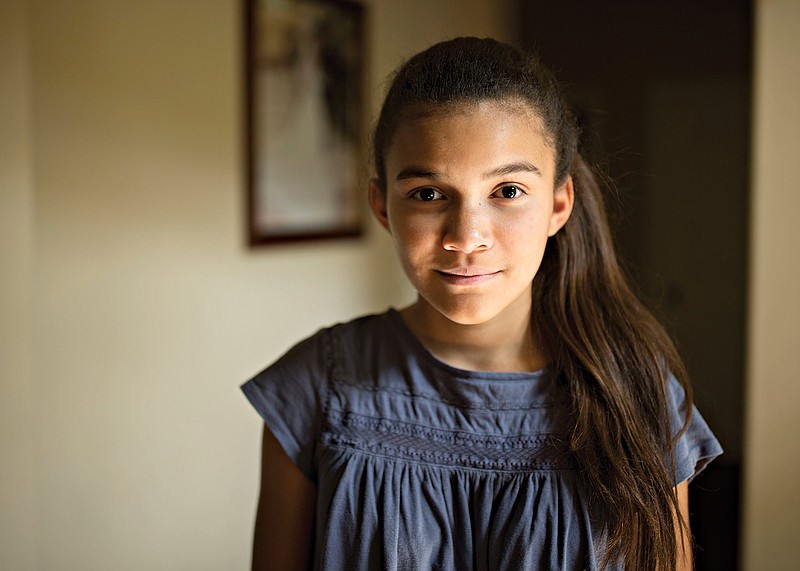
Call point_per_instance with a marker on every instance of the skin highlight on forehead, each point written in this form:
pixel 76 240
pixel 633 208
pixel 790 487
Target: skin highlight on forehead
pixel 512 106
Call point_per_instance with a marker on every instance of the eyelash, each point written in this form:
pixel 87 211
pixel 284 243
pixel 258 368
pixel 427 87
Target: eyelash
pixel 438 195
pixel 518 190
pixel 416 194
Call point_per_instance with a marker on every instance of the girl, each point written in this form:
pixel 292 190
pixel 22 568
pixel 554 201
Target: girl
pixel 526 412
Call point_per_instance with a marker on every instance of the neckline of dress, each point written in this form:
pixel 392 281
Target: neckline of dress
pixel 419 350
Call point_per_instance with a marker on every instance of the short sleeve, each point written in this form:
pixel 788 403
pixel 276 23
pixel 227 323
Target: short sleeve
pixel 697 446
pixel 289 395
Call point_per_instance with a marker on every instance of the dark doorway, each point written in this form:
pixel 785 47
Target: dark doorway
pixel 663 92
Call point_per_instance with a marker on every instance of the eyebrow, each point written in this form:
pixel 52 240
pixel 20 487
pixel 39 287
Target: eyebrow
pixel 417 172
pixel 511 168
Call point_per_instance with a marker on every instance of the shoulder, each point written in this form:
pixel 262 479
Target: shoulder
pixel 344 350
pixel 696 446
pixel 364 331
pixel 363 335
pixel 291 395
pixel 365 349
pixel 677 401
pixel 322 348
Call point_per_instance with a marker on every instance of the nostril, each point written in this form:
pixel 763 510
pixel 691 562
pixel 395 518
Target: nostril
pixel 468 229
pixel 466 240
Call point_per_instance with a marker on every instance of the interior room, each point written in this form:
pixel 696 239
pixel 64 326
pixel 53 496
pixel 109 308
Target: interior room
pixel 133 305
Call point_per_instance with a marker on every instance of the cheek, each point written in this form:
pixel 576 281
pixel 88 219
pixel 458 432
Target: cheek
pixel 531 227
pixel 413 234
pixel 524 239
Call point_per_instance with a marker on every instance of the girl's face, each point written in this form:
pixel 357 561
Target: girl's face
pixel 470 203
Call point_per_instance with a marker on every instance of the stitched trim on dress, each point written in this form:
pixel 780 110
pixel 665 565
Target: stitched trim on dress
pixel 407 441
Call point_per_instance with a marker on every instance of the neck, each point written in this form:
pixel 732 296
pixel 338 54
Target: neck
pixel 505 343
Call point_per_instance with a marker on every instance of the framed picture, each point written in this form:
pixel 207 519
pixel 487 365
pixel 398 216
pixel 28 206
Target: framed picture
pixel 304 85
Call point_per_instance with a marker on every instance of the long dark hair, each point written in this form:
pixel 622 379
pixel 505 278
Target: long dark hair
pixel 612 356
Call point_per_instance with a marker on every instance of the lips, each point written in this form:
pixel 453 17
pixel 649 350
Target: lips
pixel 468 275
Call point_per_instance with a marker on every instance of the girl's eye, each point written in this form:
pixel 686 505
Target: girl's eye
pixel 509 191
pixel 427 194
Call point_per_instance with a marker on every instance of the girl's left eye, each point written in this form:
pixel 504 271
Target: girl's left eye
pixel 509 191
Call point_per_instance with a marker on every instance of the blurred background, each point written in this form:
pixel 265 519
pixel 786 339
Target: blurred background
pixel 131 308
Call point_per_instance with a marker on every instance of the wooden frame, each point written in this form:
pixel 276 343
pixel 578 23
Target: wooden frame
pixel 304 118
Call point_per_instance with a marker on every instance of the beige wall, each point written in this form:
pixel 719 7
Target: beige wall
pixel 772 461
pixel 131 308
pixel 18 428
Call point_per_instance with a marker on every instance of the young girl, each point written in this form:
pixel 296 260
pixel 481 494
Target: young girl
pixel 526 412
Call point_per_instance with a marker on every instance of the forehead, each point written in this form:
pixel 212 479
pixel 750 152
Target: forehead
pixel 511 106
pixel 480 134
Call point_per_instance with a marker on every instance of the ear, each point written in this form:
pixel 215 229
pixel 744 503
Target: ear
pixel 377 202
pixel 563 200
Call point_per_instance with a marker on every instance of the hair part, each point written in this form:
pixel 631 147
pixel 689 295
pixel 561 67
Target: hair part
pixel 612 356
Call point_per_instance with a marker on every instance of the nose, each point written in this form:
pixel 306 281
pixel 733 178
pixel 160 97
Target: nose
pixel 468 228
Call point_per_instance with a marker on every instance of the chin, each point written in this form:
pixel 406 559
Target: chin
pixel 468 315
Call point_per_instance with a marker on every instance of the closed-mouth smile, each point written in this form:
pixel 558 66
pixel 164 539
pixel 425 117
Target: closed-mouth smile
pixel 467 275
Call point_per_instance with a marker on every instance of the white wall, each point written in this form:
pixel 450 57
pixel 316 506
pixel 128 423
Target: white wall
pixel 772 461
pixel 131 308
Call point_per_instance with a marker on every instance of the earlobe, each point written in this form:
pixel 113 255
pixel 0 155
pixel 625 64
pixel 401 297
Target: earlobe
pixel 377 202
pixel 563 200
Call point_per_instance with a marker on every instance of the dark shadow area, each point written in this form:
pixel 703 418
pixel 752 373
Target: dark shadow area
pixel 663 93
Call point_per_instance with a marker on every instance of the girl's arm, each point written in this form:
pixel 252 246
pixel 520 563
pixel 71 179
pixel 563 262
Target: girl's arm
pixel 284 531
pixel 684 535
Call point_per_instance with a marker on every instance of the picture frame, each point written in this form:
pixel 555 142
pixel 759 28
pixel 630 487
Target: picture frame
pixel 304 74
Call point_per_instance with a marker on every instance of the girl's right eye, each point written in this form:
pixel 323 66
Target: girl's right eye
pixel 427 194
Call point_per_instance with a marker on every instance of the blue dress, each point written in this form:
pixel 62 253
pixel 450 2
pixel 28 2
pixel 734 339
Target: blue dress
pixel 420 465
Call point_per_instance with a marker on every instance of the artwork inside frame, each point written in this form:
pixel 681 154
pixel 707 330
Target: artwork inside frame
pixel 305 68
